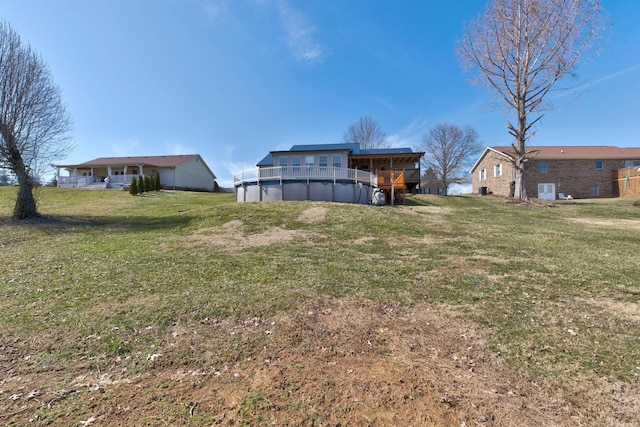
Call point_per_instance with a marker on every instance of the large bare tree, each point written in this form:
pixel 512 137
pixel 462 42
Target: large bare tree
pixel 34 124
pixel 522 49
pixel 448 150
pixel 366 132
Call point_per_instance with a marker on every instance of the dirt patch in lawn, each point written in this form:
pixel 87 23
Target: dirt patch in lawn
pixel 231 235
pixel 331 362
pixel 313 215
pixel 623 224
pixel 623 310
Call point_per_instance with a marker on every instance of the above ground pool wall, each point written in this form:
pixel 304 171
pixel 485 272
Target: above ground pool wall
pixel 327 191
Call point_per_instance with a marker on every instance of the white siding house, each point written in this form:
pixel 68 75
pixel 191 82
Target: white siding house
pixel 179 172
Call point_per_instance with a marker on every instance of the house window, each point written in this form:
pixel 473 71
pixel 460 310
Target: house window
pixel 284 161
pixel 323 161
pixel 134 171
pixel 337 161
pixel 543 166
pixel 595 191
pixel 309 160
pixel 483 174
pixel 497 171
pixel 599 165
pixel 296 161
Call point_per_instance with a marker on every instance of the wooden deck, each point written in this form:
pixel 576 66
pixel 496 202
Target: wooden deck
pixel 391 179
pixel 393 184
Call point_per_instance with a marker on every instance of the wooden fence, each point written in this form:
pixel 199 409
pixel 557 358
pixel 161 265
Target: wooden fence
pixel 626 182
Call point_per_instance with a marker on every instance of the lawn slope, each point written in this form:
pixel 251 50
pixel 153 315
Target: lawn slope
pixel 177 308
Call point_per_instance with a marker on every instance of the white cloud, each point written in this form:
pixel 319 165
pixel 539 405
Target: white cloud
pixel 173 148
pixel 410 135
pixel 214 9
pixel 300 34
pixel 226 170
pixel 610 76
pixel 125 147
pixel 456 189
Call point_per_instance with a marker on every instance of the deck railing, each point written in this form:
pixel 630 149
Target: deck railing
pixel 312 173
pixel 84 181
pixel 387 179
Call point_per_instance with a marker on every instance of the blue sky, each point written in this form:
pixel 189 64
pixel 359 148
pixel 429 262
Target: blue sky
pixel 232 80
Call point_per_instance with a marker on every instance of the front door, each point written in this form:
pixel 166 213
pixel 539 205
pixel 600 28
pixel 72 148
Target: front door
pixel 547 191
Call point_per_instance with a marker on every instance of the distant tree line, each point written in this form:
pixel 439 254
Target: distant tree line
pixel 145 184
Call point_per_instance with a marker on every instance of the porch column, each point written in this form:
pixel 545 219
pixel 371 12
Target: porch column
pixel 109 170
pixel 75 174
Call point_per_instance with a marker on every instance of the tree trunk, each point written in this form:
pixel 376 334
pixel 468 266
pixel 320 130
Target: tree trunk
pixel 25 206
pixel 520 192
pixel 25 203
pixel 520 134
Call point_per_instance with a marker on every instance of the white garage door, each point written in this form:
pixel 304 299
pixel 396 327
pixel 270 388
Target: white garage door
pixel 547 191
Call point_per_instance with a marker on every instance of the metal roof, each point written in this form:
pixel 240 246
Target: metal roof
pixel 353 149
pixel 267 161
pixel 322 147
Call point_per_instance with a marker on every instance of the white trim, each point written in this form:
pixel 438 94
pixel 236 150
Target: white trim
pixel 485 152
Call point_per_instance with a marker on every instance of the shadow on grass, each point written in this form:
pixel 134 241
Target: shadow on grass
pixel 53 224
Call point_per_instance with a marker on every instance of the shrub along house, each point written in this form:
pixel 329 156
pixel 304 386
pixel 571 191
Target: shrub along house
pixel 579 171
pixel 179 172
pixel 330 172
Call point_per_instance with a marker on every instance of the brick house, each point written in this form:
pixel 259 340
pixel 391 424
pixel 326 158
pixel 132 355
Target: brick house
pixel 579 171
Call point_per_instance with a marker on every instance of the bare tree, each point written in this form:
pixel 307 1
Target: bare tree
pixel 448 151
pixel 34 123
pixel 522 49
pixel 366 132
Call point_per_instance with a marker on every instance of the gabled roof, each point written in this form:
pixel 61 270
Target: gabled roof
pixel 486 151
pixel 567 152
pixel 376 151
pixel 267 161
pixel 157 161
pixel 595 152
pixel 322 147
pixel 353 150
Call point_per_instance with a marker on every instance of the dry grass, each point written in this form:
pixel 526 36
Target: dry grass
pixel 189 309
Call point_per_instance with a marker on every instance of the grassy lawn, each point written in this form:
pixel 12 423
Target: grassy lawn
pixel 104 281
